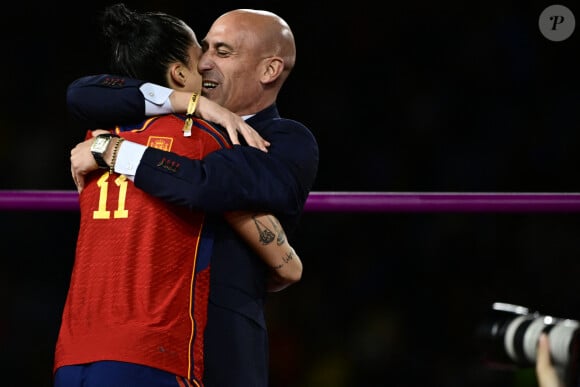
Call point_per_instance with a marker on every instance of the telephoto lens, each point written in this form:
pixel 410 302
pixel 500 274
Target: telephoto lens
pixel 509 337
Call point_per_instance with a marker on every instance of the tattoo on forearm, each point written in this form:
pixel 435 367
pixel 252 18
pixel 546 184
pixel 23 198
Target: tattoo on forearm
pixel 281 238
pixel 266 236
pixel 286 258
pixel 281 235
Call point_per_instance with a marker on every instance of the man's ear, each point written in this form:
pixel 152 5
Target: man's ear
pixel 178 74
pixel 273 67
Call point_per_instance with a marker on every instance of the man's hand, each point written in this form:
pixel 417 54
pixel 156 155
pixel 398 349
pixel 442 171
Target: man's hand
pixel 82 161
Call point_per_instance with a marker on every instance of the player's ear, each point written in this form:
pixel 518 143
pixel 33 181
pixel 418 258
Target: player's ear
pixel 178 74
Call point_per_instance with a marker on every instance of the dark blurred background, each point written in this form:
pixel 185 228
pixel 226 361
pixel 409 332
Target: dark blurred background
pixel 414 96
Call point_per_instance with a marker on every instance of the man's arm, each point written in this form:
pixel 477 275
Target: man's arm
pixel 242 178
pixel 225 180
pixel 239 178
pixel 103 101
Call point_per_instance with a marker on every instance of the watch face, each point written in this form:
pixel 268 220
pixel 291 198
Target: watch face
pixel 100 143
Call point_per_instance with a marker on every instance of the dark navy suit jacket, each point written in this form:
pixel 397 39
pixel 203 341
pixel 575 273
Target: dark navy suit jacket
pixel 242 178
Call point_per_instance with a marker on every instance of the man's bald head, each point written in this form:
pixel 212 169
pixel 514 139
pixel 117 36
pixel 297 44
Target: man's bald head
pixel 270 30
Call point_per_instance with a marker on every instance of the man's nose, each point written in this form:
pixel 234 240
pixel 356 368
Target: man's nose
pixel 205 62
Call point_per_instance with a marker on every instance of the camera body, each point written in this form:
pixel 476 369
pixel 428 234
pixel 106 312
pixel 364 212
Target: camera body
pixel 510 333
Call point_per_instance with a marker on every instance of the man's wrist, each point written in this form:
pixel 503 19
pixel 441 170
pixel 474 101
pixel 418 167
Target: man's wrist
pixel 128 158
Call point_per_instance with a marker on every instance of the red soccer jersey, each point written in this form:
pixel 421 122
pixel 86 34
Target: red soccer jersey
pixel 140 282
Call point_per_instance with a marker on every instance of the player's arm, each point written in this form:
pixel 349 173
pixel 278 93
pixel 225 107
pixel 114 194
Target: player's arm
pixel 105 100
pixel 265 235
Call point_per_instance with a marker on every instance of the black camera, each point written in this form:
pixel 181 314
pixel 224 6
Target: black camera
pixel 510 333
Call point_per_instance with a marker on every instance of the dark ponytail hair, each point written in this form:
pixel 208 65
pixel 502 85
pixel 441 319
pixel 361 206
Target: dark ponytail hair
pixel 142 45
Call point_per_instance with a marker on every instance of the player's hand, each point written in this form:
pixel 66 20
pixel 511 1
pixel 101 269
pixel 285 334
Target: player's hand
pixel 233 123
pixel 82 161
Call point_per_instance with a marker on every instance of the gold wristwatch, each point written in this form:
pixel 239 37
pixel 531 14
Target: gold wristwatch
pixel 99 147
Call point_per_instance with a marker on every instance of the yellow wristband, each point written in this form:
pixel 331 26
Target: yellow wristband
pixel 192 104
pixel 189 115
